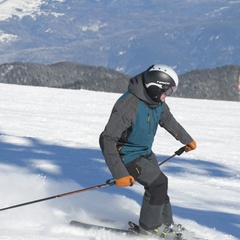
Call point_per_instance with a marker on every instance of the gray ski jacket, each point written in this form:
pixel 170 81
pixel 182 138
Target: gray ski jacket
pixel 130 131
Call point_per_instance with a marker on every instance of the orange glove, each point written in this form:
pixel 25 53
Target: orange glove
pixel 190 146
pixel 125 181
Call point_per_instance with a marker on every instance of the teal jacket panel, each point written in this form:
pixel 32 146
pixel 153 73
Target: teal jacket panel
pixel 138 139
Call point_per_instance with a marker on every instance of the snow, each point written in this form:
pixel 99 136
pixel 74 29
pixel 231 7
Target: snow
pixel 49 146
pixel 6 38
pixel 9 8
pixel 94 27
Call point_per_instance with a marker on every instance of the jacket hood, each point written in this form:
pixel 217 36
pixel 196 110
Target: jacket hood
pixel 137 88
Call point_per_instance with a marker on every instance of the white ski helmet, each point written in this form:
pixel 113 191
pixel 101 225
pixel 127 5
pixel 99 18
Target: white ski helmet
pixel 160 79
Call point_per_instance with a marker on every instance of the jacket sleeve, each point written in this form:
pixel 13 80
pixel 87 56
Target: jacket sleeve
pixel 168 122
pixel 120 120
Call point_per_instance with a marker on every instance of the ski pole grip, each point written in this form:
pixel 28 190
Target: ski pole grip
pixel 180 151
pixel 110 182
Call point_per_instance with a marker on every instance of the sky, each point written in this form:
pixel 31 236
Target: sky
pixel 49 146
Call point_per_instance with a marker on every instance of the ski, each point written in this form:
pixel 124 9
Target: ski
pixel 132 231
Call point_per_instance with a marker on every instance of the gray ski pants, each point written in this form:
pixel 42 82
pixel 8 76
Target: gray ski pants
pixel 156 208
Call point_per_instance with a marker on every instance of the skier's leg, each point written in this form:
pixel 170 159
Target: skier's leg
pixel 153 204
pixel 146 171
pixel 167 217
pixel 150 215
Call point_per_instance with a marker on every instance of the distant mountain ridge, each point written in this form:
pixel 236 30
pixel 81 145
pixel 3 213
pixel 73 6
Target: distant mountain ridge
pixel 64 75
pixel 218 84
pixel 122 35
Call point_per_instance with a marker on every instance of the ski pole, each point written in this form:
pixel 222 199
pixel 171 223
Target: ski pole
pixel 178 152
pixel 108 183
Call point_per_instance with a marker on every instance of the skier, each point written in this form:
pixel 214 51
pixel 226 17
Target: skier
pixel 127 139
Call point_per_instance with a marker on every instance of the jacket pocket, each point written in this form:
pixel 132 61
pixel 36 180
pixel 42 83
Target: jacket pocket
pixel 149 171
pixel 133 169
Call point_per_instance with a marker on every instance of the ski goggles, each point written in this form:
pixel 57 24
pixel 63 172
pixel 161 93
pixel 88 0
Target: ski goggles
pixel 169 91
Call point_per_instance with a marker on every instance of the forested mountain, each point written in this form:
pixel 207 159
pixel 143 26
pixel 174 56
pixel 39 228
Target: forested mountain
pixel 64 75
pixel 219 83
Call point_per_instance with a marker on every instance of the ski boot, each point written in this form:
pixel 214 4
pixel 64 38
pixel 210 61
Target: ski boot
pixel 163 232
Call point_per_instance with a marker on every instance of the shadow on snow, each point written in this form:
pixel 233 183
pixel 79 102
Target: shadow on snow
pixel 87 167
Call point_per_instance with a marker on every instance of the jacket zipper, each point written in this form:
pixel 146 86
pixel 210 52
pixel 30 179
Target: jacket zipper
pixel 155 116
pixel 149 127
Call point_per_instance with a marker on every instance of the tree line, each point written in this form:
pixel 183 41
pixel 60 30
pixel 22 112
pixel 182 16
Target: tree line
pixel 217 84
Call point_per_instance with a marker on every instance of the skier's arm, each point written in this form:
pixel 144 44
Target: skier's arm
pixel 168 122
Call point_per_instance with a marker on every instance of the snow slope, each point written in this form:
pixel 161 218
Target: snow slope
pixel 49 146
